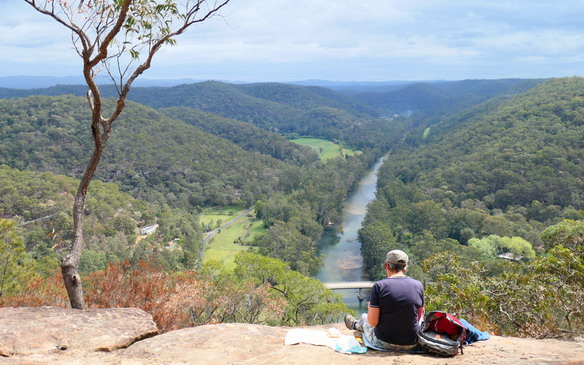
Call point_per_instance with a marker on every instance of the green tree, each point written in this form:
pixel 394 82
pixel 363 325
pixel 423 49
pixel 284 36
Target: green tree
pixel 308 301
pixel 569 233
pixel 517 246
pixel 110 35
pixel 424 215
pixel 487 246
pixel 285 242
pixel 493 245
pixel 543 298
pixel 376 241
pixel 455 286
pixel 562 273
pixel 465 235
pixel 16 268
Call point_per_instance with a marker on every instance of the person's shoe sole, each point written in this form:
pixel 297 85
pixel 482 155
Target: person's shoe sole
pixel 350 321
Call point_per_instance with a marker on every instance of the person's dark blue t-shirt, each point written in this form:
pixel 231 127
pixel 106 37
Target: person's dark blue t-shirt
pixel 398 299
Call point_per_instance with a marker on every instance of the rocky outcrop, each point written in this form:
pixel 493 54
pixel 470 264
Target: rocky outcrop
pixel 100 336
pixel 25 331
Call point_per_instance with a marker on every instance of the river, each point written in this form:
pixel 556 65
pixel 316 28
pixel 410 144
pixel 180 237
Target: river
pixel 340 248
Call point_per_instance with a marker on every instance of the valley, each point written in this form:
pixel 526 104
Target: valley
pixel 475 169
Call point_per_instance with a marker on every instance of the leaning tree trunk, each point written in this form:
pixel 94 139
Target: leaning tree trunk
pixel 70 262
pixel 92 39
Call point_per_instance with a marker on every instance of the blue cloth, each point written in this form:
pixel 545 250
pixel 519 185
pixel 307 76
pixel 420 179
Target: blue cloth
pixel 473 334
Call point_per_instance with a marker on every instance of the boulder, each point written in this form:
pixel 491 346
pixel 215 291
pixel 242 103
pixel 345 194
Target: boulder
pixel 48 329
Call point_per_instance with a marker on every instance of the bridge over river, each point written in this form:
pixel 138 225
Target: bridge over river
pixel 350 285
pixel 359 285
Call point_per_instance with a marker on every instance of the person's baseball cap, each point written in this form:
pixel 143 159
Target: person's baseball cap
pixel 397 257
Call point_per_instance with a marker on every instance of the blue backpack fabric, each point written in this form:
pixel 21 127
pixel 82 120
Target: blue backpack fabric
pixel 473 334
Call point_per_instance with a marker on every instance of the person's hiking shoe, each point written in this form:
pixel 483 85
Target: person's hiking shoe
pixel 352 323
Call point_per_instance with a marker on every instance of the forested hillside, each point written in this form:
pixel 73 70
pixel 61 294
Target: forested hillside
pixel 511 171
pixel 245 135
pixel 41 204
pixel 153 157
pixel 177 168
pixel 280 108
pixel 503 179
pixel 201 159
pixel 120 271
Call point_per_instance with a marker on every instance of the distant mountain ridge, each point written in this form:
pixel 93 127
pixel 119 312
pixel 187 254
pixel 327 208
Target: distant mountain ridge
pixel 36 82
pixel 441 97
pixel 349 116
pixel 33 82
pixel 370 98
pixel 280 108
pixel 204 95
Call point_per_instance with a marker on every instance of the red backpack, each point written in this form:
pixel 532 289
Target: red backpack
pixel 442 333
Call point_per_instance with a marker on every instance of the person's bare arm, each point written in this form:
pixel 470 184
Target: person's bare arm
pixel 373 316
pixel 420 314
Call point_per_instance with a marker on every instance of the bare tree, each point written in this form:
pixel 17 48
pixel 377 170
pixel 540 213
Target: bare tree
pixel 120 37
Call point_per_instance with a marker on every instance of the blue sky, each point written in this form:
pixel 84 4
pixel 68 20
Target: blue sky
pixel 369 40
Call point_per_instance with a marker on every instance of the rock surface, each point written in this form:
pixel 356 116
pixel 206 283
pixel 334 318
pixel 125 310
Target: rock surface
pixel 93 330
pixel 25 331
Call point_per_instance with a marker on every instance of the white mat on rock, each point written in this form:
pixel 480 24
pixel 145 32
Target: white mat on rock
pixel 343 343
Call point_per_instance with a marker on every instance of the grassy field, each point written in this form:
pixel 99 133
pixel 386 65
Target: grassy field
pixel 229 242
pixel 213 215
pixel 325 148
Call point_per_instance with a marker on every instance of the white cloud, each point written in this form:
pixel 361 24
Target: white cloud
pixel 374 39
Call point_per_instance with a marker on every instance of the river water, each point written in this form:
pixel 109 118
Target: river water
pixel 340 248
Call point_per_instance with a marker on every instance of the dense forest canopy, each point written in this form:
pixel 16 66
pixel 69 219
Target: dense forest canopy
pixel 509 171
pixel 153 157
pixel 280 108
pixel 40 204
pixel 245 135
pixel 500 179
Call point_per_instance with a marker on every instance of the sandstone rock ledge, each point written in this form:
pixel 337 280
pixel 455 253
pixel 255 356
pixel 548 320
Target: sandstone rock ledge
pixel 123 336
pixel 25 331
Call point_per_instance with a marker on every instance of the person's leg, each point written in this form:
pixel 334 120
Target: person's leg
pixel 354 324
pixel 369 334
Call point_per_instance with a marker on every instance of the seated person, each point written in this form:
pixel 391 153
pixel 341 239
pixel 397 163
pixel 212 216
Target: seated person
pixel 395 309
